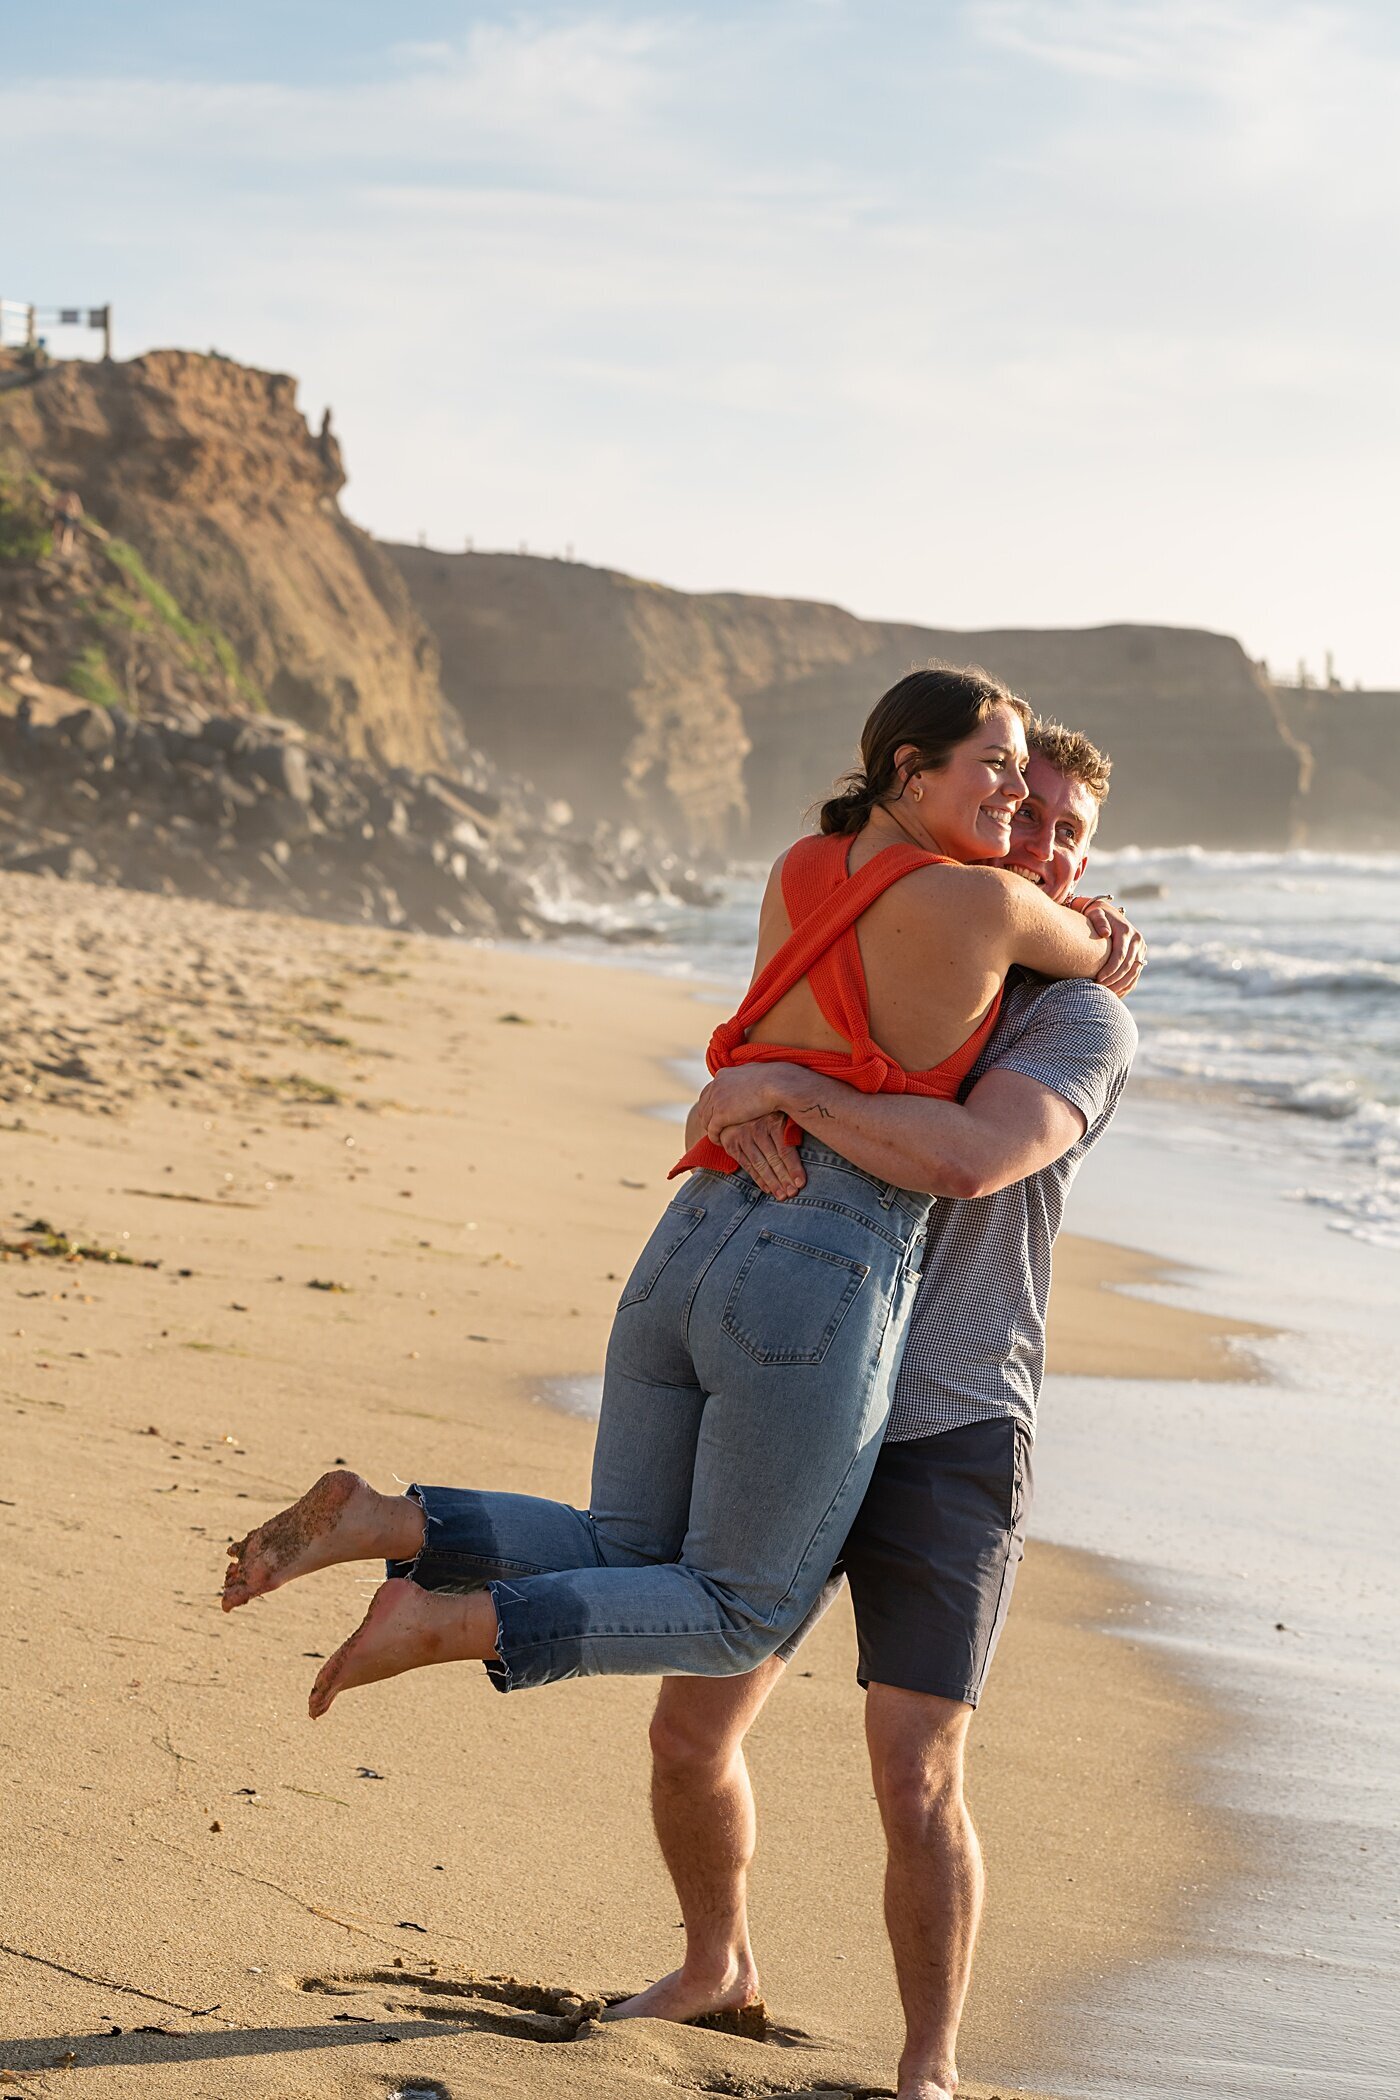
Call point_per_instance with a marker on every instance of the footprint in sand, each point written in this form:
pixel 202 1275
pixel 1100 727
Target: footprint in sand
pixel 535 2012
pixel 529 2012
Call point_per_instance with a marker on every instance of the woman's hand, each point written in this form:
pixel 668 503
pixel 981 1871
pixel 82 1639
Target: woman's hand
pixel 1127 951
pixel 741 1094
pixel 761 1149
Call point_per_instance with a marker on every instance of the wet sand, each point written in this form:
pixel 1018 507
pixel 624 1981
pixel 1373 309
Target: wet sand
pixel 391 1188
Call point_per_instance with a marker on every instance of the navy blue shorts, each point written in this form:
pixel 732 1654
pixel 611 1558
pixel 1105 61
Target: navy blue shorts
pixel 932 1557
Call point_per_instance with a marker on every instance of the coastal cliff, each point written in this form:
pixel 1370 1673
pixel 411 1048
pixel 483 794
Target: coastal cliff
pixel 212 684
pixel 206 469
pixel 208 571
pixel 722 716
pixel 1353 791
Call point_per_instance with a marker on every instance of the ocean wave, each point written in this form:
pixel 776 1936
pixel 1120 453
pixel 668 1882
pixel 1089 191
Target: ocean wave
pixel 1263 972
pixel 1374 1216
pixel 1373 1125
pixel 1298 860
pixel 1330 1100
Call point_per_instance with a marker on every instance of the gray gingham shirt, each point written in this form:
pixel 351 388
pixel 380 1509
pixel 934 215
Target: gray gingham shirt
pixel 976 1343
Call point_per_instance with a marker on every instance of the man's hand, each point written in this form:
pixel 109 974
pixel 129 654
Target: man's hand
pixel 761 1149
pixel 1127 951
pixel 742 1094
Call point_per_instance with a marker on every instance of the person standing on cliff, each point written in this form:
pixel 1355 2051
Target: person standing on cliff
pixel 67 515
pixel 933 1553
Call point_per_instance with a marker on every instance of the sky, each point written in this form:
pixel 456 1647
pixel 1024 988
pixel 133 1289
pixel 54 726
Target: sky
pixel 1007 313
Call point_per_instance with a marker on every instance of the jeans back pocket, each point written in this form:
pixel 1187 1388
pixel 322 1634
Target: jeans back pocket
pixel 789 1299
pixel 673 1229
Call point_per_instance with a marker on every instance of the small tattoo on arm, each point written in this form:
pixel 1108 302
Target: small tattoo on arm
pixel 814 1108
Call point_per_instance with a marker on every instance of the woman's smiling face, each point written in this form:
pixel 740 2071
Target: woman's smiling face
pixel 968 803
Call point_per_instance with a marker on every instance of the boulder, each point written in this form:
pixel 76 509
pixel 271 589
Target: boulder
pixel 283 767
pixel 71 862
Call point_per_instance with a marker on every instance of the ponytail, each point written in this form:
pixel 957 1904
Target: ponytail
pixel 849 808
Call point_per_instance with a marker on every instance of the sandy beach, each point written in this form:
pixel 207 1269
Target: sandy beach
pixel 354 1196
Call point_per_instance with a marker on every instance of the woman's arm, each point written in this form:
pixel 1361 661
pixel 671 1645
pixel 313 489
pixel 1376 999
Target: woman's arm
pixel 1049 938
pixel 1010 1126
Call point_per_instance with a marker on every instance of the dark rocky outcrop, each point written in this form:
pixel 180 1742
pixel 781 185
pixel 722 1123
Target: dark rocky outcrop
pixel 723 717
pixel 247 812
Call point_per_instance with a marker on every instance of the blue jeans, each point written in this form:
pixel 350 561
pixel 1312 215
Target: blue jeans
pixel 748 1382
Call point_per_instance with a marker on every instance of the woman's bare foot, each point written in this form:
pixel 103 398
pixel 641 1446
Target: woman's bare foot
pixel 341 1518
pixel 404 1629
pixel 683 1997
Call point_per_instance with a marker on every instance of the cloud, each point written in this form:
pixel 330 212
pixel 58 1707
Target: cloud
pixel 553 92
pixel 1257 91
pixel 911 309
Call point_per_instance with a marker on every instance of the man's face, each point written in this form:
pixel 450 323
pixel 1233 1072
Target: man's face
pixel 1052 830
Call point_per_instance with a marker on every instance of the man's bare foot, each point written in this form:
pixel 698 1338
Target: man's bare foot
pixel 685 1998
pixel 406 1628
pixel 341 1518
pixel 928 2087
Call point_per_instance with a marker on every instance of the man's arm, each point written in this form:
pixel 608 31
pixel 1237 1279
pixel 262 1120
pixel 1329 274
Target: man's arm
pixel 1009 1126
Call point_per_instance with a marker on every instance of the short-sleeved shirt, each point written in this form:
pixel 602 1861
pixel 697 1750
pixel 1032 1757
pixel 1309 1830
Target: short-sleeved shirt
pixel 976 1342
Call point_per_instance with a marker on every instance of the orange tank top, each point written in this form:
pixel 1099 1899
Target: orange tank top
pixel 823 901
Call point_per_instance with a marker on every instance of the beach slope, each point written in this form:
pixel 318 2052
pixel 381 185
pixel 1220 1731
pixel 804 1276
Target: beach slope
pixel 282 1195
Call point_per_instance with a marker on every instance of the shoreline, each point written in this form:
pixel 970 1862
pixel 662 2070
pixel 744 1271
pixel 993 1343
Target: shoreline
pixel 1254 1518
pixel 392 1186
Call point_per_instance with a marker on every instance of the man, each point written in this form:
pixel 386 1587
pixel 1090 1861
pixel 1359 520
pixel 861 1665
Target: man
pixel 933 1554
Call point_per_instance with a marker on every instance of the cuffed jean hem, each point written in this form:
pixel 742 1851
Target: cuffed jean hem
pixel 532 1655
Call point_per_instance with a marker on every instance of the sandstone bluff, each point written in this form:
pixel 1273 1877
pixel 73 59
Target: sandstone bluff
pixel 729 712
pixel 212 680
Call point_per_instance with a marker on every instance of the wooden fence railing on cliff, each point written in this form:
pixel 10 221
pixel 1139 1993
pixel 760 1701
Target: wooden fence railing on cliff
pixel 30 319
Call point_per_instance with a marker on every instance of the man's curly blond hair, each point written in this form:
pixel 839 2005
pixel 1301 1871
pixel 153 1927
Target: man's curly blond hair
pixel 1070 752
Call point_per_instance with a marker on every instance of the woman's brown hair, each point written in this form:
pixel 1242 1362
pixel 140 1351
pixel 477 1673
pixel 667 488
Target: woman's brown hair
pixel 935 710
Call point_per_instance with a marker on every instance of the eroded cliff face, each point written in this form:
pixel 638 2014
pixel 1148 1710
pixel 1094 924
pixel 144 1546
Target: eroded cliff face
pixel 715 720
pixel 1200 752
pixel 207 469
pixel 723 717
pixel 613 693
pixel 1352 802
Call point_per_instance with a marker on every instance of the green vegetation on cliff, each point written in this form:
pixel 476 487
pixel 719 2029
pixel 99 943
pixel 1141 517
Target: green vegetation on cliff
pixel 206 651
pixel 230 569
pixel 91 617
pixel 25 533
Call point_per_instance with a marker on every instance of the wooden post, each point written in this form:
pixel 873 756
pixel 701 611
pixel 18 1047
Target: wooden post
pixel 31 327
pixel 107 333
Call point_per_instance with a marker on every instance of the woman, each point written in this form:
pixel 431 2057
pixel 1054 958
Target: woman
pixel 753 1355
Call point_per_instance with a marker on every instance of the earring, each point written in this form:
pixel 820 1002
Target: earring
pixel 918 792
